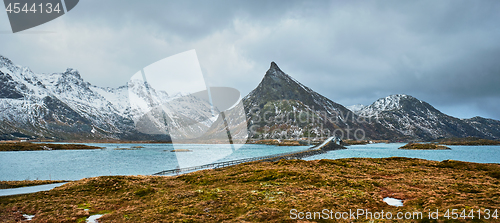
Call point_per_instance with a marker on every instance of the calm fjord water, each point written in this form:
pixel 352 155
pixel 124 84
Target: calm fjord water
pixel 476 154
pixel 77 164
pixel 153 158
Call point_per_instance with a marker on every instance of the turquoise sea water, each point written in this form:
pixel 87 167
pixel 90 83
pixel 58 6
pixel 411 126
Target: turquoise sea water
pixel 78 164
pixel 153 158
pixel 477 154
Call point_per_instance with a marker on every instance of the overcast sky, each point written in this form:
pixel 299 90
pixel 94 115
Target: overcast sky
pixel 444 52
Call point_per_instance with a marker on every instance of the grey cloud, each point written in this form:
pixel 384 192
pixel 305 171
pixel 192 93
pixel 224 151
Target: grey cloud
pixel 443 52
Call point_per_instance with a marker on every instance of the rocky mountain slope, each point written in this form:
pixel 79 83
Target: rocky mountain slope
pixel 63 106
pixel 418 119
pixel 282 107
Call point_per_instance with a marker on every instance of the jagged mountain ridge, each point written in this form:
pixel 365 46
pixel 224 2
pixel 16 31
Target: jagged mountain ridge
pixel 60 106
pixel 282 107
pixel 420 120
pixel 64 106
pixel 28 106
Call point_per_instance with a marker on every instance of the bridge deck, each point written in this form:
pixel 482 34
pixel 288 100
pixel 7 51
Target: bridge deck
pixel 322 148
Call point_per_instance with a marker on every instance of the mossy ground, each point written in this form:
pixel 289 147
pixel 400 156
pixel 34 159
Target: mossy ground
pixel 27 146
pixel 27 183
pixel 266 192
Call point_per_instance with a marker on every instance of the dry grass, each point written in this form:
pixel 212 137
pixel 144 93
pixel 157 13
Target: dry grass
pixel 27 146
pixel 265 192
pixel 27 183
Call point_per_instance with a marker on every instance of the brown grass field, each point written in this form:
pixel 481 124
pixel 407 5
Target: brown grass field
pixel 27 146
pixel 267 191
pixel 27 183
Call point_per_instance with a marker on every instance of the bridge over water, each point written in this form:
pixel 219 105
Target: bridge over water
pixel 329 144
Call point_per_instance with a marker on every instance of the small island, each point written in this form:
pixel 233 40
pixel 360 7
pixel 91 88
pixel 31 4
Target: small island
pixel 469 141
pixel 27 146
pixel 421 146
pixel 180 150
pixel 131 148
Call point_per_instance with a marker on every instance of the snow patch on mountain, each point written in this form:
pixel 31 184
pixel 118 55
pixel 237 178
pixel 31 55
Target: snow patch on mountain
pixel 355 108
pixel 389 103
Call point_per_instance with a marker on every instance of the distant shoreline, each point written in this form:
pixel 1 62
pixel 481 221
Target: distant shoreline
pixel 468 142
pixel 27 146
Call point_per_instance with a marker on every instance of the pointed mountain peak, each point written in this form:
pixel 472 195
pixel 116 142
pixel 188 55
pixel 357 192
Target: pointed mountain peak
pixel 400 96
pixel 391 102
pixel 73 72
pixel 5 60
pixel 396 102
pixel 274 65
pixel 277 85
pixel 396 98
pixel 275 71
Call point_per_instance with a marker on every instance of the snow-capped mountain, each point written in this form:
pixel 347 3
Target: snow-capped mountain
pixel 389 103
pixel 418 119
pixel 57 105
pixel 282 107
pixel 356 107
pixel 489 127
pixel 64 106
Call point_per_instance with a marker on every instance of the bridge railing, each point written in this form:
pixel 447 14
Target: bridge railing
pixel 235 162
pixel 223 164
